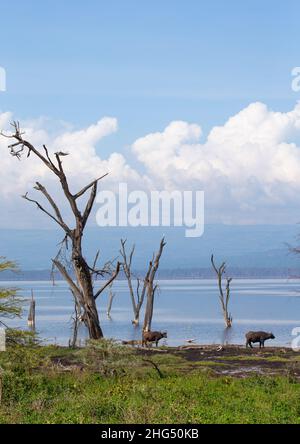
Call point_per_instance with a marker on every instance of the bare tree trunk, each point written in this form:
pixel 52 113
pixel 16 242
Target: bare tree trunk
pixel 110 302
pixel 224 299
pixel 85 283
pixel 149 307
pixel 31 315
pixel 228 317
pixel 148 311
pixel 76 322
pixel 126 264
pixel 151 287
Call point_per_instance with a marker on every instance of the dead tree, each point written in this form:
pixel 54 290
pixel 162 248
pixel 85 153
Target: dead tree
pixel 224 298
pixel 77 319
pixel 83 286
pixel 111 297
pixel 152 287
pixel 31 314
pixel 137 295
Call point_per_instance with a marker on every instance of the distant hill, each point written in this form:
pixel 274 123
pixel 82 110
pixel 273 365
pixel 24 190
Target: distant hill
pixel 176 273
pixel 251 247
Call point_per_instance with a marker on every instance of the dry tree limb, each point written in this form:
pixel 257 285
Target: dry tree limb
pixel 155 366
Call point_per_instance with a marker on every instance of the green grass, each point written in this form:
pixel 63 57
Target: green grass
pixel 116 386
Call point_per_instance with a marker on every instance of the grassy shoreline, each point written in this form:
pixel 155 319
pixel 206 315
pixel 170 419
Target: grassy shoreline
pixel 108 383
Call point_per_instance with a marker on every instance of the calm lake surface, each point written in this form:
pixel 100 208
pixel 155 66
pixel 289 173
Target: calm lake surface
pixel 187 309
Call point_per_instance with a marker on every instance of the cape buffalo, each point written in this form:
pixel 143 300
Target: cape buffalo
pixel 258 336
pixel 153 336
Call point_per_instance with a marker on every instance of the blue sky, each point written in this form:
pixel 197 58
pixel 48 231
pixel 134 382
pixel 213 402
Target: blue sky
pixel 146 63
pixel 149 64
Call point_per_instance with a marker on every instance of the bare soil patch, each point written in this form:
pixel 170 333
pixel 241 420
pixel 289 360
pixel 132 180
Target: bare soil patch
pixel 236 360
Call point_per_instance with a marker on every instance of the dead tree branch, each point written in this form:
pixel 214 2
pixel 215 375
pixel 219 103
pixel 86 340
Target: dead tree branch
pixel 155 366
pixel 224 298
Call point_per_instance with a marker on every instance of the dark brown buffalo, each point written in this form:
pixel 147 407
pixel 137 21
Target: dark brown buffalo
pixel 258 336
pixel 153 336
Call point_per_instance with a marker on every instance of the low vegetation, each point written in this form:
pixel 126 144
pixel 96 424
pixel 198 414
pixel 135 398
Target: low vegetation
pixel 108 383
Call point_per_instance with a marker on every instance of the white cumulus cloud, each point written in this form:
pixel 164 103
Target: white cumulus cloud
pixel 249 167
pixel 250 163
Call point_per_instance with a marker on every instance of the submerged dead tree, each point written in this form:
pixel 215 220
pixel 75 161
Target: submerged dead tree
pixel 83 287
pixel 224 298
pixel 31 313
pixel 111 297
pixel 152 287
pixel 137 295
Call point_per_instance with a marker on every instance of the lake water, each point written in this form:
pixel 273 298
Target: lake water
pixel 187 309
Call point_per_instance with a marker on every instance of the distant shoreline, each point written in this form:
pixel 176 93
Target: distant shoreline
pixel 167 274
